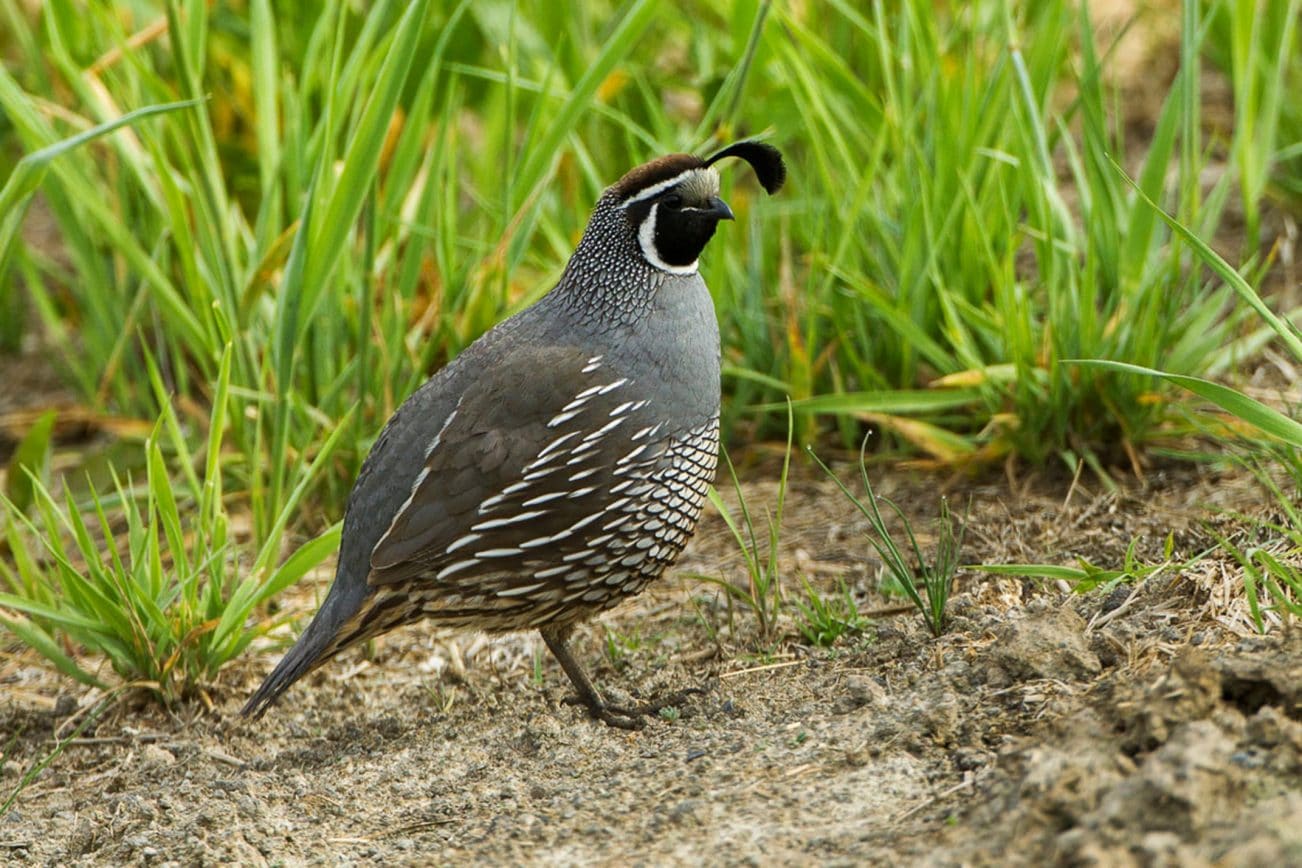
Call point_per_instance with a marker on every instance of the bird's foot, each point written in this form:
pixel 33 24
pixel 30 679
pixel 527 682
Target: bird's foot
pixel 633 717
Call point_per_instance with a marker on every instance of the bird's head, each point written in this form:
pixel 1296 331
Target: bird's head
pixel 671 205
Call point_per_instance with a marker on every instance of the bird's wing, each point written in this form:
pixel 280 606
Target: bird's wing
pixel 515 466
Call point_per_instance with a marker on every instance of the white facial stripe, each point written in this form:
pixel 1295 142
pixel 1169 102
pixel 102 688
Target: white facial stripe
pixel 646 238
pixel 657 189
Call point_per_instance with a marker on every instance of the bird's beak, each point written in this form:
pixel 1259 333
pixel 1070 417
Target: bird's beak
pixel 720 209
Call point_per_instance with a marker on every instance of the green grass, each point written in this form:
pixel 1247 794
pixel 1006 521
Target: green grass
pixel 1271 561
pixel 327 201
pixel 760 591
pixel 1272 573
pixel 925 582
pixel 620 646
pixel 825 619
pixel 758 545
pixel 355 198
pixel 1086 576
pixel 167 599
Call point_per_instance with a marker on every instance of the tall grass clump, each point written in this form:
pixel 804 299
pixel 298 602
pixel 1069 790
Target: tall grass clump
pixel 969 232
pixel 148 575
pixel 1269 445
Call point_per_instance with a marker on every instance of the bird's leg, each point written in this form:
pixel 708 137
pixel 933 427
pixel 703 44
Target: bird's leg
pixel 556 639
pixel 613 715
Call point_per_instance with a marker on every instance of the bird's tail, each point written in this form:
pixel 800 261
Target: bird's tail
pixel 317 645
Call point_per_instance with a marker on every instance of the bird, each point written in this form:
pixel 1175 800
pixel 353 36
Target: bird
pixel 561 462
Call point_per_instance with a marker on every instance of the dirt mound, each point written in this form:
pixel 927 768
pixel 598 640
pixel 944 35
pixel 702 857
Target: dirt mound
pixel 1161 772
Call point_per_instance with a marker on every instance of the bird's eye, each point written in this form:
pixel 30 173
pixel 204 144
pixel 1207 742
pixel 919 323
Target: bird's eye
pixel 674 201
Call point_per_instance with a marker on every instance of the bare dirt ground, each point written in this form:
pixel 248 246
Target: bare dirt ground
pixel 1143 725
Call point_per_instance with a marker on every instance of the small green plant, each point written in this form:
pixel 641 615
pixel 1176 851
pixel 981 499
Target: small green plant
pixel 701 612
pixel 1272 570
pixel 536 678
pixel 619 646
pixel 762 593
pixel 1270 575
pixel 826 619
pixel 444 697
pixel 1086 576
pixel 927 586
pixel 164 599
pixel 670 713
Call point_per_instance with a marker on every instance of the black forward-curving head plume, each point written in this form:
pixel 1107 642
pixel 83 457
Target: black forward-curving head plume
pixel 765 159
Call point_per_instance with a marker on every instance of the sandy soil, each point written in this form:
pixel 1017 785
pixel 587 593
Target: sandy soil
pixel 1139 725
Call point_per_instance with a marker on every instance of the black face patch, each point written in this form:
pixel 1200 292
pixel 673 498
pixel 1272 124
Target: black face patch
pixel 682 233
pixel 681 229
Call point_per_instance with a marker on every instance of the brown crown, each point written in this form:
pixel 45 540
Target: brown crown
pixel 649 174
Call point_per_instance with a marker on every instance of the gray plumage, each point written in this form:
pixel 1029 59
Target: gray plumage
pixel 561 462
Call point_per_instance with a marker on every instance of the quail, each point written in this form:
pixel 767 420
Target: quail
pixel 560 462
